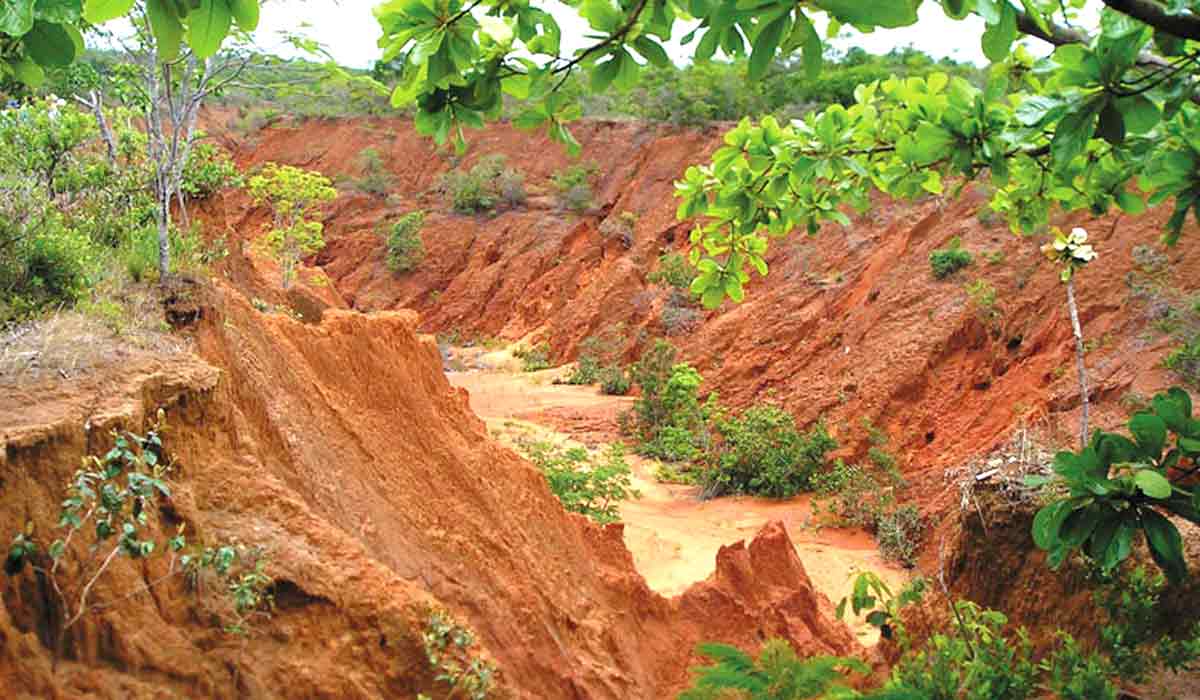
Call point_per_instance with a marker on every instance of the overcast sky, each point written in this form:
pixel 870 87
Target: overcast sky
pixel 349 31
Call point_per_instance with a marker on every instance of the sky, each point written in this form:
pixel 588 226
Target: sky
pixel 349 31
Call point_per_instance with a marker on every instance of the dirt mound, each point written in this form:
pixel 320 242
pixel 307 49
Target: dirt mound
pixel 341 447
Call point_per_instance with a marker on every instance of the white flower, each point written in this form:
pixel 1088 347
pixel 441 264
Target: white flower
pixel 1060 244
pixel 1085 253
pixel 1078 236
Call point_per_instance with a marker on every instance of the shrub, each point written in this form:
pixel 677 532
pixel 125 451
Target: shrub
pixel 679 320
pixel 510 186
pixel 109 511
pixel 673 271
pixel 614 381
pixel 448 648
pixel 375 178
pixel 574 186
pixel 1184 361
pixel 45 265
pixel 208 170
pixel 1132 635
pixel 405 251
pixel 853 496
pixel 651 373
pixel 483 186
pixel 777 674
pixel 593 487
pixel 534 359
pixel 900 532
pixel 670 422
pixel 587 371
pixel 762 452
pixel 946 261
pixel 619 227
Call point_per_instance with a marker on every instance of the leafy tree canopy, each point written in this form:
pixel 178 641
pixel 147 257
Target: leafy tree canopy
pixel 1107 120
pixel 36 35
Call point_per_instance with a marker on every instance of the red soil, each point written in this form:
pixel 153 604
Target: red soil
pixel 342 448
pixel 850 325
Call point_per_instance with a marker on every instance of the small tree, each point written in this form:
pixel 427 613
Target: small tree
pixel 1072 252
pixel 294 195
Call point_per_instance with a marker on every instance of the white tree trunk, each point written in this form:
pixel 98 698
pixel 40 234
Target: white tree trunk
pixel 1080 364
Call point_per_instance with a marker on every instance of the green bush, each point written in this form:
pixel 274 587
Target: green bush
pixel 593 487
pixel 375 178
pixel 1134 636
pixel 777 674
pixel 587 371
pixel 600 361
pixel 761 452
pixel 614 381
pixel 405 250
pixel 534 359
pixel 946 261
pixel 208 169
pixel 574 186
pixel 673 271
pixel 44 264
pixel 651 373
pixel 900 532
pixel 1184 361
pixel 484 186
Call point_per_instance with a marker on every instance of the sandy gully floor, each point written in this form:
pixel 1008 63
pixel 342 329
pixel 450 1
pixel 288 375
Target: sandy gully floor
pixel 673 535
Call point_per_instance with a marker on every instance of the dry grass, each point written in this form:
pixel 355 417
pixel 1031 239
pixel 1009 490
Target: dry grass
pixel 116 325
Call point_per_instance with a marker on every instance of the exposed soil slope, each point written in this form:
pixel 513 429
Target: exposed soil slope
pixel 850 324
pixel 342 448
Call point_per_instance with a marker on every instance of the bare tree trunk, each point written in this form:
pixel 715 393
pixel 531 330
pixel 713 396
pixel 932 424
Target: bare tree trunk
pixel 96 102
pixel 156 147
pixel 1079 363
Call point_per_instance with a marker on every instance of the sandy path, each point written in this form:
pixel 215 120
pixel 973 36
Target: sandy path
pixel 674 536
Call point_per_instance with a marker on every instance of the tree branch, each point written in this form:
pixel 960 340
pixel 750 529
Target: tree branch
pixel 1183 25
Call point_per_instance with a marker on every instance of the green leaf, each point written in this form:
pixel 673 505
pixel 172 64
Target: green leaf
pixel 101 11
pixel 16 17
pixel 1112 124
pixel 878 13
pixel 765 45
pixel 604 73
pixel 1152 484
pixel 999 37
pixel 1048 522
pixel 1150 431
pixel 713 296
pixel 58 11
pixel 167 29
pixel 29 72
pixel 1078 526
pixel 49 44
pixel 652 51
pixel 1171 410
pixel 1073 132
pixel 1166 546
pixel 1130 203
pixel 208 25
pixel 245 13
pixel 1119 547
pixel 1140 112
